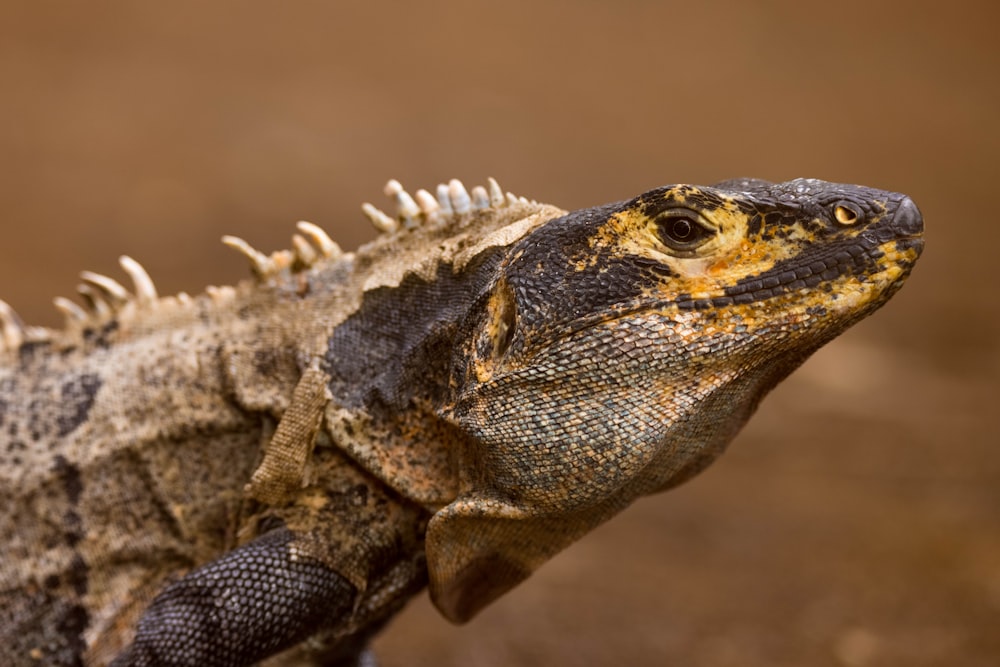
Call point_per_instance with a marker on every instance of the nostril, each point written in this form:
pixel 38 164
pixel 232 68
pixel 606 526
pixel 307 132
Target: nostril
pixel 907 219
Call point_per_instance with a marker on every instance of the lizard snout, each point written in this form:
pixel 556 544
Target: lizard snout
pixel 907 221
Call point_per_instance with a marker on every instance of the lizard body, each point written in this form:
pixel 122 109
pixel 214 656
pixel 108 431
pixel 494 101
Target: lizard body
pixel 267 472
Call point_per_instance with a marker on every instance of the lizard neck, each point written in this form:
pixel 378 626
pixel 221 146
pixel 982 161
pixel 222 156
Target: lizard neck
pixel 389 368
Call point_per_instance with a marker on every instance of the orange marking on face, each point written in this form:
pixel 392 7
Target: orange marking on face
pixel 719 266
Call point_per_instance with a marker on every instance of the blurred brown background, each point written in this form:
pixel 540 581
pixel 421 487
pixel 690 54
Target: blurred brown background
pixel 856 522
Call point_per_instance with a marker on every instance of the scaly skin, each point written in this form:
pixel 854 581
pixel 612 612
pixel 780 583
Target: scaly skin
pixel 214 480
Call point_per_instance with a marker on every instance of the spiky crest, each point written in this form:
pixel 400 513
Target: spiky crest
pixel 105 299
pixel 452 200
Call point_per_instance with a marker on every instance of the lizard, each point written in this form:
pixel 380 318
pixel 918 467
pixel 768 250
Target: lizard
pixel 266 473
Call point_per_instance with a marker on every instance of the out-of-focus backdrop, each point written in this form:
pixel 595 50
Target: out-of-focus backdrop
pixel 856 521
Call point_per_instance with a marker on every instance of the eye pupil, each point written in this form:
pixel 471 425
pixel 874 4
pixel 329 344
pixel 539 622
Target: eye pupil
pixel 681 229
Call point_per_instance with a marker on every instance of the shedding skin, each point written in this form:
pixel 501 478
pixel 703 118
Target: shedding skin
pixel 220 478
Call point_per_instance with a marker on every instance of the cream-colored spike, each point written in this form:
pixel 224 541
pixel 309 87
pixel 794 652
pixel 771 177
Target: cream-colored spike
pixel 459 196
pixel 406 209
pixel 145 290
pixel 96 300
pixel 260 263
pixel 480 200
pixel 72 311
pixel 305 253
pixel 113 291
pixel 37 334
pixel 496 193
pixel 429 206
pixel 382 222
pixel 320 239
pixel 11 328
pixel 215 293
pixel 444 199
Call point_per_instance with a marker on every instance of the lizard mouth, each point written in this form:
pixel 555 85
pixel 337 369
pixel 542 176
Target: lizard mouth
pixel 861 261
pixel 914 243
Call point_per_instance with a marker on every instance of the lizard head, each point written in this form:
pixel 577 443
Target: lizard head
pixel 620 348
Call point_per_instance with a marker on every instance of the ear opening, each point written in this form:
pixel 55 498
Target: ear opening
pixel 497 331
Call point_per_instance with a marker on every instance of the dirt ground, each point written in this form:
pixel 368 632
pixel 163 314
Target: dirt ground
pixel 855 522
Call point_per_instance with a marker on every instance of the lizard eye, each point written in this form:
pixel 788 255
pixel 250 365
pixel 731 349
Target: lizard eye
pixel 682 229
pixel 847 214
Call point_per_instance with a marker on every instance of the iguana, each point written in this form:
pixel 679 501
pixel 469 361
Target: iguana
pixel 267 472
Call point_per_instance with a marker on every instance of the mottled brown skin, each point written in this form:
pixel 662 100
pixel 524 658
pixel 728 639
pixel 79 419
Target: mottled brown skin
pixel 214 480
